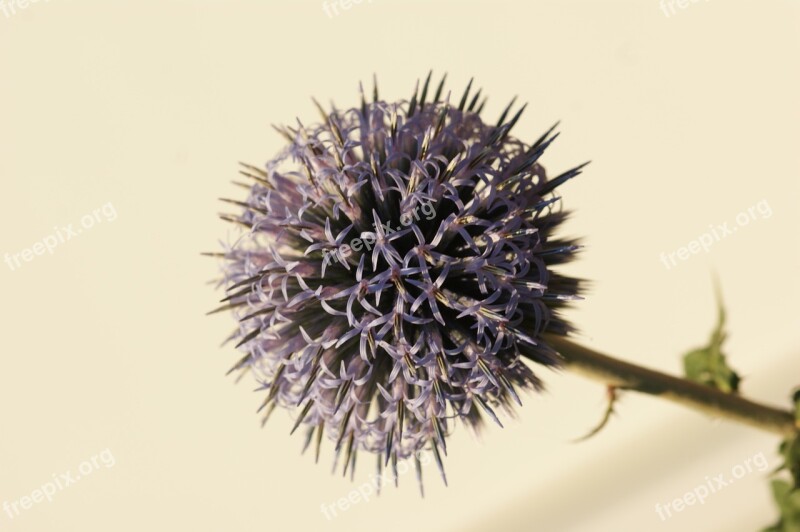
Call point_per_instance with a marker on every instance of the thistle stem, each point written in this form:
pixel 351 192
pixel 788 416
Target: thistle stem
pixel 626 376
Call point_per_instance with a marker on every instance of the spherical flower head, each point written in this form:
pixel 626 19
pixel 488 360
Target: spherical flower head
pixel 395 270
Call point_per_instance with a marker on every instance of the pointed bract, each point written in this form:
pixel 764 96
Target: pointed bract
pixel 397 263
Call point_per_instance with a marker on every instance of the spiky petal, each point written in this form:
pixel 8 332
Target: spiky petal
pixel 397 264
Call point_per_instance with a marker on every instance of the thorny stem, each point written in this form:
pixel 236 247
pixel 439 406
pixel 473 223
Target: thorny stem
pixel 626 376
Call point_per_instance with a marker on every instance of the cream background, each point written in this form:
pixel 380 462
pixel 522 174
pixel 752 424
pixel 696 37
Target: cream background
pixel 688 120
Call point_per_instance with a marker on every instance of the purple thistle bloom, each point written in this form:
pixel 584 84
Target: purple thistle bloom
pixel 397 266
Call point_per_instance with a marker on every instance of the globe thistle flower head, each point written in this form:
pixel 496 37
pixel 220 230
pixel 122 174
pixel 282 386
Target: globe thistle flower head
pixel 395 269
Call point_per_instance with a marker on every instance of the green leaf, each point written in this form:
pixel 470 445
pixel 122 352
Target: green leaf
pixel 786 492
pixel 707 365
pixel 792 456
pixel 787 498
pixel 780 489
pixel 796 398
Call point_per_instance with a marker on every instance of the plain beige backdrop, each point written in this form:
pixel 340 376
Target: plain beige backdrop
pixel 689 119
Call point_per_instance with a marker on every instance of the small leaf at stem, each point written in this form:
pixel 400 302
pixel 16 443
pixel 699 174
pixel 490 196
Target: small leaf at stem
pixel 707 365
